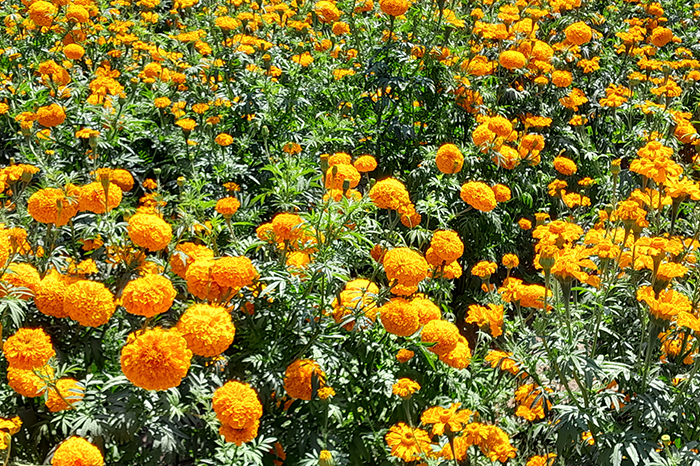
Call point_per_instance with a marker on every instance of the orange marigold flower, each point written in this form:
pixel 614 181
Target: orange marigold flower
pixel 73 51
pixel 668 304
pixel 661 36
pixel 578 33
pixel 503 361
pixel 92 197
pixel 404 355
pixel 28 348
pixel 240 436
pixel 149 231
pixel 233 272
pixel 365 163
pixel 501 192
pixel 460 357
pixel 236 405
pixel 444 334
pixel 224 139
pixel 524 224
pixel 491 315
pixel 298 378
pixel 405 266
pixel 199 281
pixel 447 246
pixel 478 195
pixel 543 460
pixel 400 317
pixel 287 227
pixel 405 388
pixel 407 443
pixel 327 11
pixel 337 174
pixel 389 194
pixel 227 206
pixel 42 13
pixel 185 254
pixel 564 165
pixel 51 115
pixel 43 205
pixel 512 59
pixel 449 159
pixel 77 451
pixel 22 275
pixel 444 417
pixel 27 383
pixel 484 269
pixel 427 310
pixel 525 396
pixel 393 7
pixel 70 391
pixel 89 303
pixel 155 359
pixel 561 78
pixel 208 330
pixel 149 295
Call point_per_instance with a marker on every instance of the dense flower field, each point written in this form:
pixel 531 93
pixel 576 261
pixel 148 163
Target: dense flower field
pixel 345 233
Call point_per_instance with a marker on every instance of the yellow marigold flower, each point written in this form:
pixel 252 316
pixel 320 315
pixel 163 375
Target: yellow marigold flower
pixel 161 102
pixel 42 13
pixel 533 296
pixel 337 174
pixel 236 405
pixel 233 272
pixel 185 254
pixel 393 7
pixel 77 14
pixel 22 275
pixel 501 192
pixel 561 78
pixel 240 436
pixel 208 330
pixel 149 231
pixel 148 296
pixel 325 393
pixel 512 59
pixel 70 391
pixel 357 298
pixel 199 281
pixel 51 115
pixel 77 451
pixel 400 317
pixel 28 348
pixel 525 396
pixel 73 51
pixel 287 227
pixel 92 197
pixel 327 11
pixel 460 357
pixel 543 460
pixel 503 361
pixel 365 163
pixel 406 443
pixel 447 246
pixel 389 194
pixel 491 315
pixel 299 376
pixel 444 334
pixel 405 388
pixel 340 28
pixel 187 124
pixel 26 383
pixel 11 426
pixel 661 36
pixel 478 195
pixel 224 140
pixel 524 224
pixel 89 303
pixel 449 159
pixel 122 178
pixel 43 205
pixel 228 206
pixel 565 166
pixel 404 355
pixel 155 359
pixel 500 126
pixel 578 33
pixel 446 417
pixel 427 310
pixel 510 261
pixel 668 303
pixel 405 266
pixel 484 269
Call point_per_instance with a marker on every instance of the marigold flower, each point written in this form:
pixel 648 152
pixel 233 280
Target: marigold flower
pixel 299 376
pixel 503 361
pixel 208 330
pixel 405 388
pixel 22 275
pixel 405 266
pixel 564 165
pixel 77 451
pixel 327 11
pixel 661 36
pixel 444 334
pixel 449 159
pixel 233 272
pixel 70 391
pixel 26 383
pixel 407 443
pixel 365 164
pixel 185 254
pixel 510 261
pixel 427 310
pixel 512 59
pixel 199 281
pixel 287 227
pixel 561 78
pixel 484 269
pixel 446 417
pixel 149 231
pixel 404 355
pixel 155 359
pixel 77 14
pixel 578 33
pixel 460 357
pixel 525 396
pixel 51 115
pixel 92 197
pixel 393 7
pixel 524 224
pixel 28 348
pixel 478 195
pixel 337 174
pixel 44 204
pixel 357 298
pixel 227 206
pixel 240 436
pixel 491 315
pixel 447 245
pixel 400 317
pixel 389 194
pixel 668 304
pixel 237 405
pixel 149 295
pixel 89 303
pixel 122 178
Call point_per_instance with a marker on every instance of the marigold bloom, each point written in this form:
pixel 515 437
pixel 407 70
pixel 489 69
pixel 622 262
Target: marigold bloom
pixel 478 195
pixel 668 304
pixel 77 451
pixel 149 231
pixel 224 139
pixel 357 298
pixel 503 361
pixel 327 11
pixel 444 417
pixel 149 295
pixel 524 224
pixel 393 7
pixel 237 405
pixel 444 334
pixel 561 78
pixel 227 206
pixel 578 33
pixel 208 330
pixel 43 206
pixel 233 272
pixel 26 383
pixel 185 254
pixel 449 159
pixel 28 348
pixel 42 13
pixel 199 281
pixel 92 197
pixel 661 36
pixel 491 315
pixel 405 266
pixel 427 310
pixel 73 51
pixel 298 378
pixel 51 115
pixel 70 391
pixel 510 261
pixel 287 227
pixel 155 359
pixel 447 246
pixel 512 59
pixel 407 443
pixel 484 269
pixel 525 396
pixel 339 173
pixel 460 357
pixel 404 355
pixel 240 436
pixel 22 275
pixel 501 192
pixel 389 194
pixel 405 388
pixel 400 317
pixel 564 165
pixel 89 303
pixel 365 164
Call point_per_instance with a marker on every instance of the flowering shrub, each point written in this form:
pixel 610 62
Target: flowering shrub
pixel 344 233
